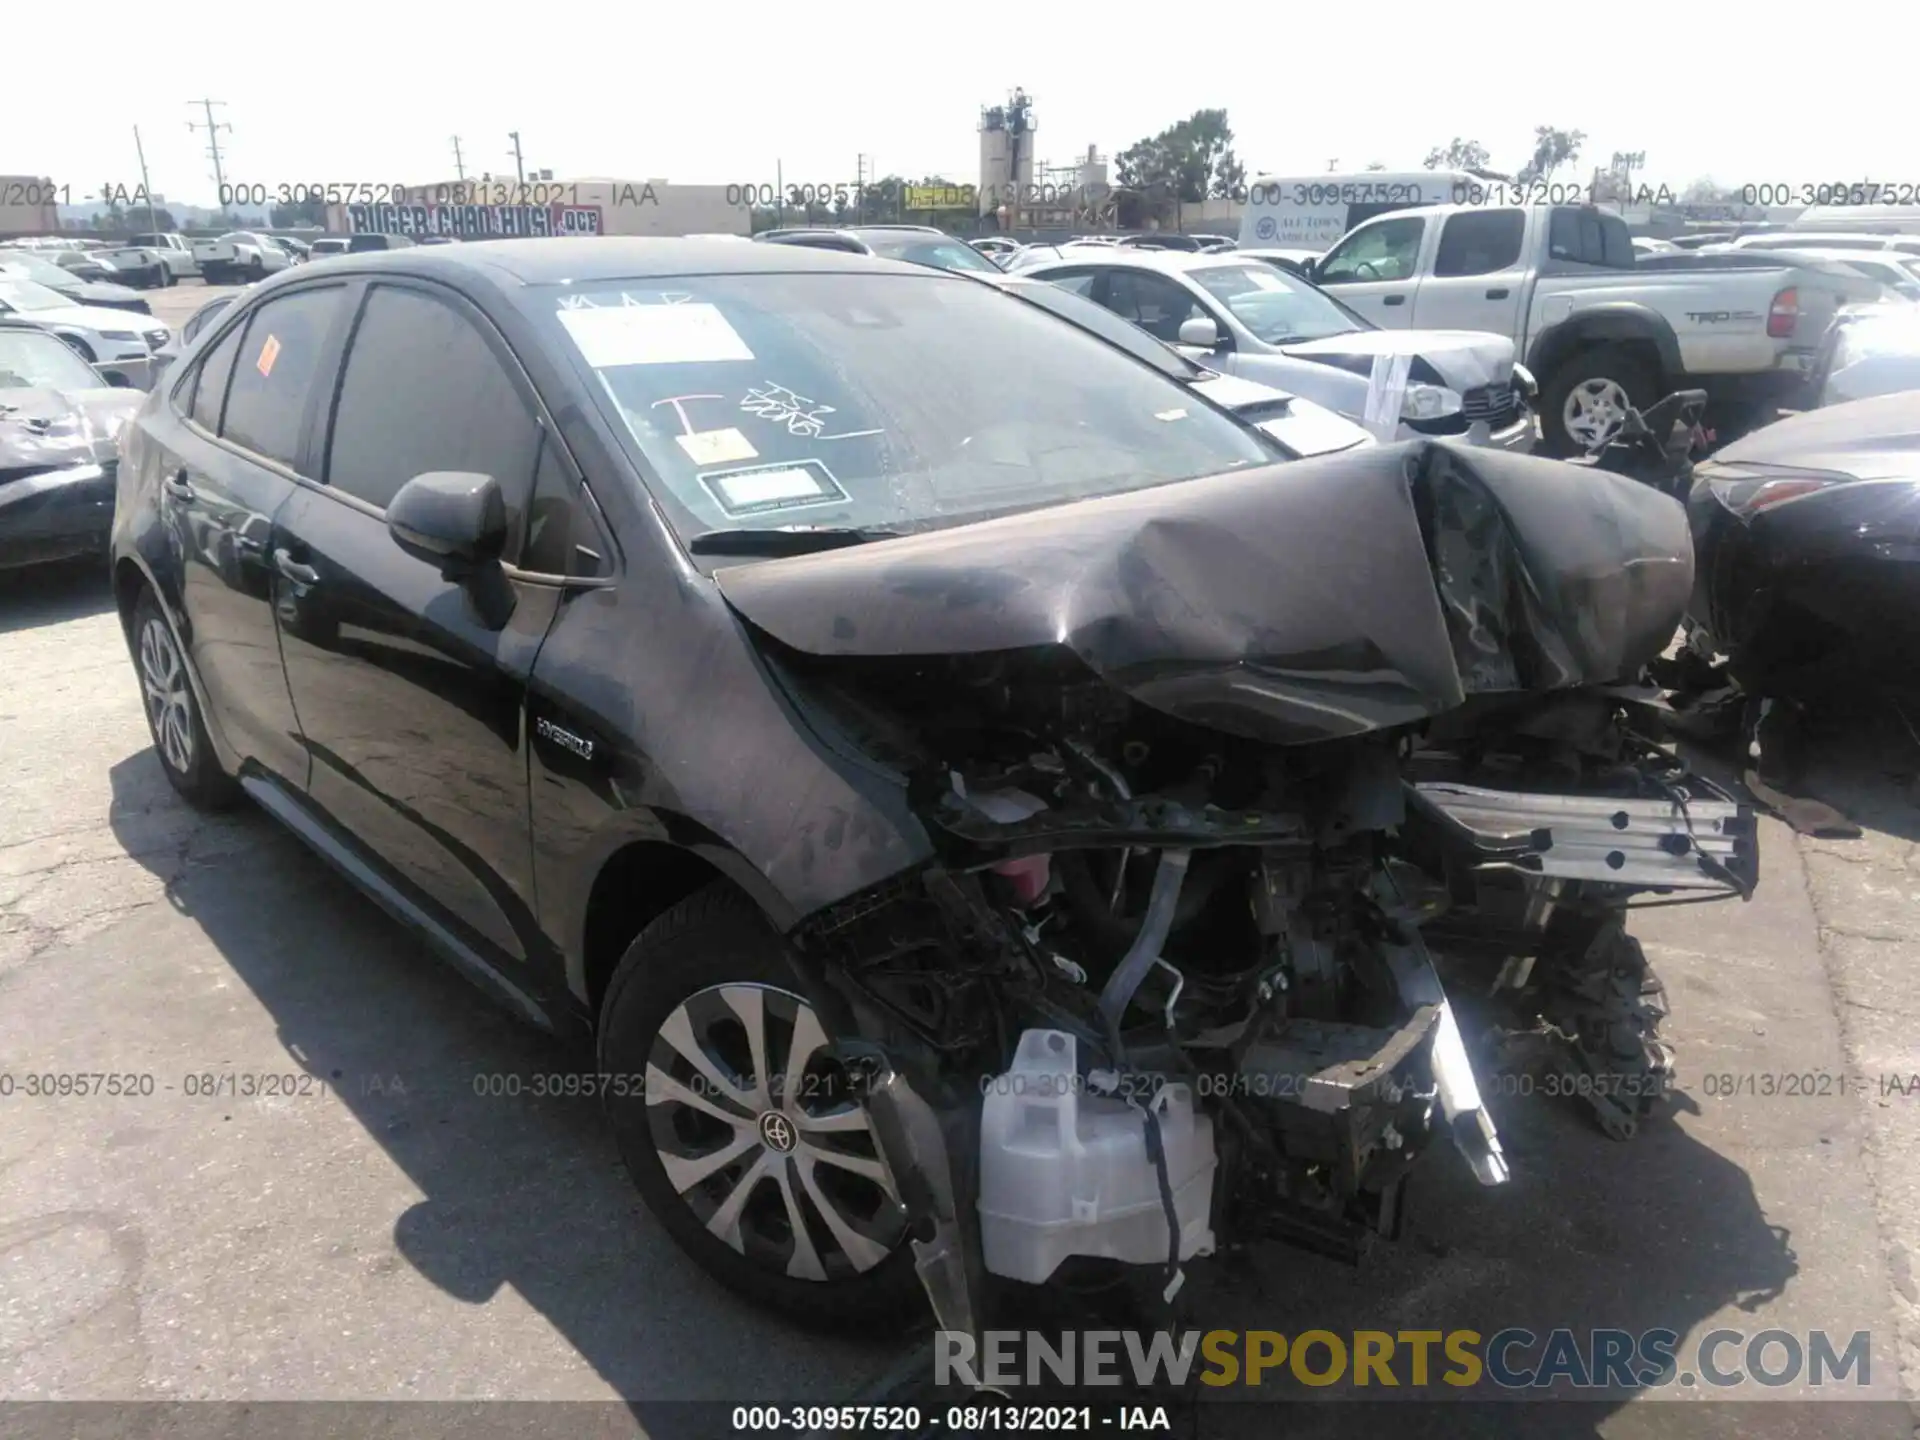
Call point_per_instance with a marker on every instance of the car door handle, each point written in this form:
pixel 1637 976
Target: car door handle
pixel 291 568
pixel 1499 294
pixel 1394 300
pixel 177 486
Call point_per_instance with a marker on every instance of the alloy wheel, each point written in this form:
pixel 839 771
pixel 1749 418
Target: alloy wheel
pixel 169 701
pixel 1594 410
pixel 757 1132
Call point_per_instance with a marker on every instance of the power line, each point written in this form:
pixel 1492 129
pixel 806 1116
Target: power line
pixel 213 146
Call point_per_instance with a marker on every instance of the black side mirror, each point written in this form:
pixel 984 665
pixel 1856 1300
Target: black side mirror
pixel 457 520
pixel 450 518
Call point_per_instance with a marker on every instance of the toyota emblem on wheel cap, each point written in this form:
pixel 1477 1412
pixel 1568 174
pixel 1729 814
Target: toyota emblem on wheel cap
pixel 777 1132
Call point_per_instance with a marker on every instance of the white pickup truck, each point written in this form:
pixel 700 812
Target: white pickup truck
pixel 156 259
pixel 1599 328
pixel 238 256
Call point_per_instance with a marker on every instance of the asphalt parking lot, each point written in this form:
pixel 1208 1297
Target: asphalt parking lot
pixel 388 1231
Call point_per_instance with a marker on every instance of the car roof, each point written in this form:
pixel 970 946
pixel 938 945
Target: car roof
pixel 1805 237
pixel 1173 261
pixel 566 260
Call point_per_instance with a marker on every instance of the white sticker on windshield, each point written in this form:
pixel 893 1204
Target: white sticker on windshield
pixel 774 487
pixel 1265 281
pixel 1170 414
pixel 653 335
pixel 717 447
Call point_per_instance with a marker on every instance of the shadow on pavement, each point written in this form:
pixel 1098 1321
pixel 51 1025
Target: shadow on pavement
pixel 40 595
pixel 520 1191
pixel 528 1193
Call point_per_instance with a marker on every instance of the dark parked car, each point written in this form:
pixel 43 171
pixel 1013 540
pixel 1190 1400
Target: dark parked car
pixel 59 421
pixel 917 244
pixel 805 674
pixel 1807 534
pixel 25 265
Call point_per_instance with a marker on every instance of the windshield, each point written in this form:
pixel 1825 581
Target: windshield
pixel 25 295
pixel 150 241
pixel 40 272
pixel 1279 308
pixel 1079 310
pixel 876 401
pixel 32 358
pixel 937 251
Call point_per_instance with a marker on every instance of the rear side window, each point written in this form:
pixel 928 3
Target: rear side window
pixel 210 385
pixel 1588 237
pixel 1480 242
pixel 279 365
pixel 424 390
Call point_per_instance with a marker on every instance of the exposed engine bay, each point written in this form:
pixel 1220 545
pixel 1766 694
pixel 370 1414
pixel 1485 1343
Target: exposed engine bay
pixel 1173 982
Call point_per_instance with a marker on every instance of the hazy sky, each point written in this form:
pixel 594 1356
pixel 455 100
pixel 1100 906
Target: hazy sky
pixel 349 91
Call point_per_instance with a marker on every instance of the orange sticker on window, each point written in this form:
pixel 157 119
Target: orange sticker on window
pixel 269 353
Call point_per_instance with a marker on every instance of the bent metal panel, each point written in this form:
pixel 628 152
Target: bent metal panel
pixel 473 220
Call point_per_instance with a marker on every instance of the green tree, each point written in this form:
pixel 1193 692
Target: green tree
pixel 1456 154
pixel 1183 164
pixel 300 212
pixel 1552 148
pixel 1375 165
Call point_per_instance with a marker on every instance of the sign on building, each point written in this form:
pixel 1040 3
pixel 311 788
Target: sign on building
pixel 940 197
pixel 476 221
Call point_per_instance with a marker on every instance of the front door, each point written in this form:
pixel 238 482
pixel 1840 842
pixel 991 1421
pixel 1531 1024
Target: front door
pixel 1376 269
pixel 412 700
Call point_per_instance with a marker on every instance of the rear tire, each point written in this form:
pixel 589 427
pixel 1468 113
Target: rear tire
pixel 1576 399
pixel 796 1215
pixel 173 711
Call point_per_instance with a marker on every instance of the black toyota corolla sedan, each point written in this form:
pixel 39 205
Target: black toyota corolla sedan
pixel 714 648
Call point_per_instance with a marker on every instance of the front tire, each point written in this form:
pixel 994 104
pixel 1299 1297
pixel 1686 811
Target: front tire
pixel 173 712
pixel 1583 402
pixel 743 1140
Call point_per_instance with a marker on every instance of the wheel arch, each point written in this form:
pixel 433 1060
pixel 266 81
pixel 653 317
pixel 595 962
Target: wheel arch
pixel 639 882
pixel 1622 323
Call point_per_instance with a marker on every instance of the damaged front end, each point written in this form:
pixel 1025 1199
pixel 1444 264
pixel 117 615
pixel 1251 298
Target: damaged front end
pixel 1221 780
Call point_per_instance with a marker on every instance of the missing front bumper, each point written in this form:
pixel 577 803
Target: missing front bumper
pixel 1645 844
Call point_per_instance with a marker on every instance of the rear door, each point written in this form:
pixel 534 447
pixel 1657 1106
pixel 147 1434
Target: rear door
pixel 1376 269
pixel 411 703
pixel 232 447
pixel 1479 278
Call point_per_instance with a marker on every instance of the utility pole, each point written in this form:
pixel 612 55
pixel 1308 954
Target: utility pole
pixel 213 148
pixel 459 165
pixel 519 165
pixel 860 189
pixel 145 187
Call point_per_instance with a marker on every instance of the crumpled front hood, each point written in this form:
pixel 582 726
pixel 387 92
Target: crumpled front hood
pixel 1291 603
pixel 42 427
pixel 1464 359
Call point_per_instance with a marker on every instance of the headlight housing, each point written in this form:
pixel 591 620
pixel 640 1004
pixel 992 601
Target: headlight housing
pixel 1524 382
pixel 1430 402
pixel 1748 495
